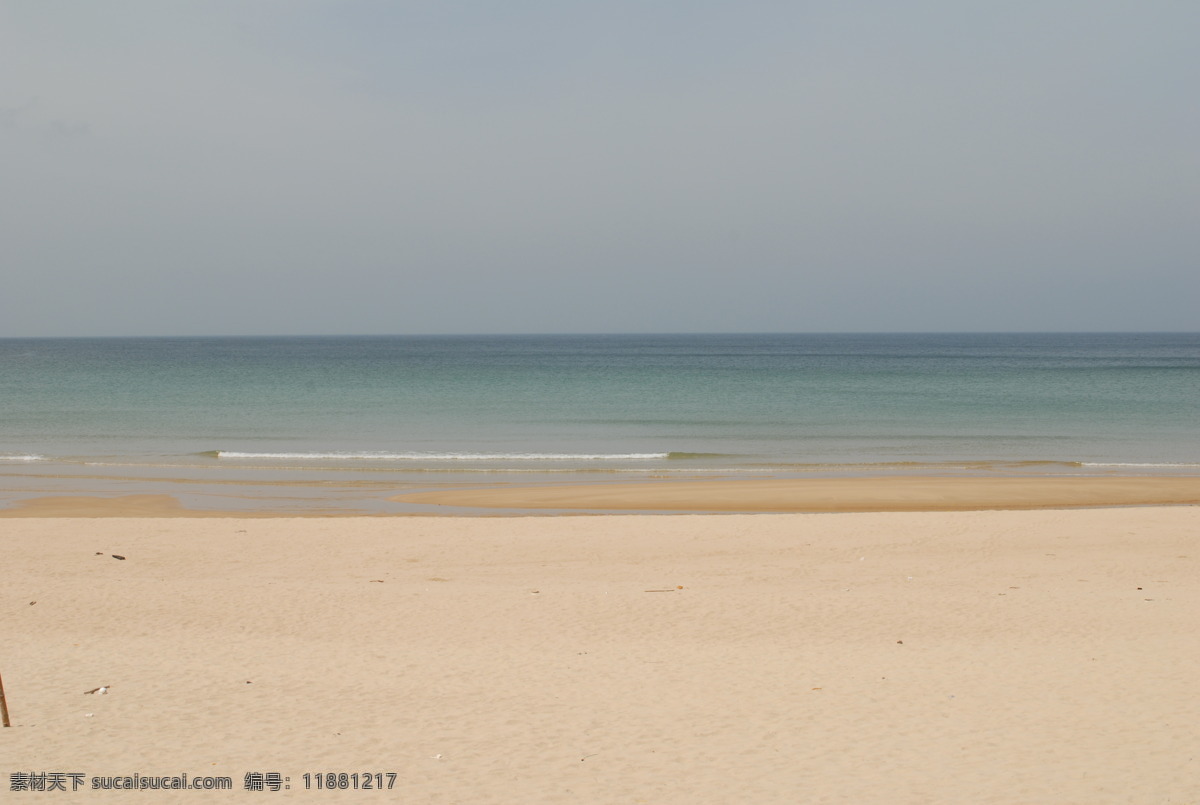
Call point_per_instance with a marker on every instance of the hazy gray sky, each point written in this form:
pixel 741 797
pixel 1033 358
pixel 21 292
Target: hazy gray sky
pixel 360 166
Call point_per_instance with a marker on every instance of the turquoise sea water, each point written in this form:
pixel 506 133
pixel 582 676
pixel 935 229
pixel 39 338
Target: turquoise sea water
pixel 221 417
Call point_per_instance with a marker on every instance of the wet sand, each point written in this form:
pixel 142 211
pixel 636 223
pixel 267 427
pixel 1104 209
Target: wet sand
pixel 909 493
pixel 799 495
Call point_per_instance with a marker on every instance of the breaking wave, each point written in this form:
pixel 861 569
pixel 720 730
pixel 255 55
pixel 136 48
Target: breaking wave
pixel 433 456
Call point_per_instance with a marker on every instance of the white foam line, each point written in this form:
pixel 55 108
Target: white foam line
pixel 446 456
pixel 1102 464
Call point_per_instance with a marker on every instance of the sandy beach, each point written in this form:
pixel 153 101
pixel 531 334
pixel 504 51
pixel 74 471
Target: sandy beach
pixel 1040 656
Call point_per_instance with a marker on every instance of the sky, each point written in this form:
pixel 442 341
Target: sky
pixel 245 167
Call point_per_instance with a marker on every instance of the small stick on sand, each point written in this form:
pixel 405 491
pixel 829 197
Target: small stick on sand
pixel 3 706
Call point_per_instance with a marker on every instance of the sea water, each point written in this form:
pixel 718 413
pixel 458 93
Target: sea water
pixel 409 411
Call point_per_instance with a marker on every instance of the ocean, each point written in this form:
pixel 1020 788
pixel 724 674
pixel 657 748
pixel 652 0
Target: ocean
pixel 343 423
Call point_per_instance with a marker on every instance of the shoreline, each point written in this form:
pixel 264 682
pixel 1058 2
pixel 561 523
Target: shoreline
pixel 909 493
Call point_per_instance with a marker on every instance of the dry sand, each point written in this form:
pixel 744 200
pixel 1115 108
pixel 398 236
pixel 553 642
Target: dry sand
pixel 954 657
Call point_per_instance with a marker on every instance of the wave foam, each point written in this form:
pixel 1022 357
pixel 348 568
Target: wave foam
pixel 1106 464
pixel 384 456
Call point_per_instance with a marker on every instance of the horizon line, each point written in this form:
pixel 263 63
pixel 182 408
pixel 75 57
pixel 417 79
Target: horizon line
pixel 599 333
